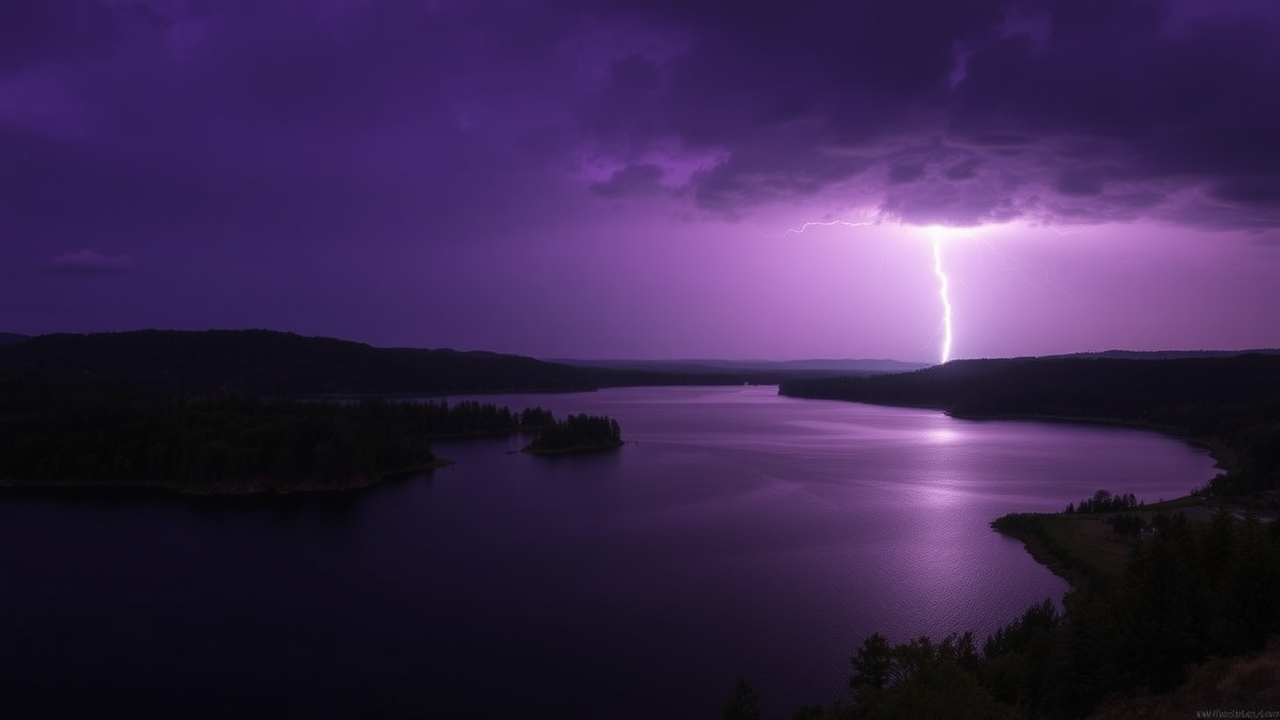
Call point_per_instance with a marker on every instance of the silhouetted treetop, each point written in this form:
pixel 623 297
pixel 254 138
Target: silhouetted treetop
pixel 577 433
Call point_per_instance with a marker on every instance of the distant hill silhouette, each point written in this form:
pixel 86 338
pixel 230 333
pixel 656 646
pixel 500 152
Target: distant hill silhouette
pixel 622 373
pixel 1235 400
pixel 285 364
pixel 275 364
pixel 8 338
pixel 1096 387
pixel 840 366
pixel 1168 354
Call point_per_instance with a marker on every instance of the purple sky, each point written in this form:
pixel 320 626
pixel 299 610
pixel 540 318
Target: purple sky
pixel 593 178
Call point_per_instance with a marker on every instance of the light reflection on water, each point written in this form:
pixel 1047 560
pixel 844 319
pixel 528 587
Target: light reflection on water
pixel 738 533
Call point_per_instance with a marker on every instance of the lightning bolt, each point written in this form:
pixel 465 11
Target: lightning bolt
pixel 944 283
pixel 944 287
pixel 829 223
pixel 1035 276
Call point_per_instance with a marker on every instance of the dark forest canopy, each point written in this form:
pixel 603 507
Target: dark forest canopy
pixel 57 434
pixel 1234 401
pixel 575 434
pixel 234 443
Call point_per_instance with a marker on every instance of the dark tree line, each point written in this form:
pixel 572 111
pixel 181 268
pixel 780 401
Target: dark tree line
pixel 57 434
pixel 235 442
pixel 1189 592
pixel 1103 501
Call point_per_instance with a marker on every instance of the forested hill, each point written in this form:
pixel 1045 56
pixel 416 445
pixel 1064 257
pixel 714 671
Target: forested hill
pixel 275 364
pixel 1078 387
pixel 1235 400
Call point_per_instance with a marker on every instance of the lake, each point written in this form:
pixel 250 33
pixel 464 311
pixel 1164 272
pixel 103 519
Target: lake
pixel 738 533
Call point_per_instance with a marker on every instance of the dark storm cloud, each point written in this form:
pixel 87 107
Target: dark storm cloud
pixel 963 170
pixel 631 180
pixel 769 172
pixel 908 173
pixel 1262 190
pixel 323 122
pixel 1173 100
pixel 328 118
pixel 1077 183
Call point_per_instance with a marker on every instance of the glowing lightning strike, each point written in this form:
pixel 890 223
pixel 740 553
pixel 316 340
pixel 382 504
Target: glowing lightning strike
pixel 943 294
pixel 944 284
pixel 829 223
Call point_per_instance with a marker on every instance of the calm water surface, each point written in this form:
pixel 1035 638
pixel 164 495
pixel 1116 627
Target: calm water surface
pixel 738 533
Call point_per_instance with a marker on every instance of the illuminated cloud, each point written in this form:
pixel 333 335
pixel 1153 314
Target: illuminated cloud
pixel 632 180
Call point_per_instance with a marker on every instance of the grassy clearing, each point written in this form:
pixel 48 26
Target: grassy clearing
pixel 1081 549
pixel 1182 503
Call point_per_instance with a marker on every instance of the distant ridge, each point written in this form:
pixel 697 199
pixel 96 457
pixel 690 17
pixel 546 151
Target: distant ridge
pixel 826 366
pixel 8 338
pixel 275 364
pixel 1167 354
pixel 1231 401
pixel 1093 387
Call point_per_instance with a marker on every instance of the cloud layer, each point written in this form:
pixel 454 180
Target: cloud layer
pixel 618 176
pixel 1079 111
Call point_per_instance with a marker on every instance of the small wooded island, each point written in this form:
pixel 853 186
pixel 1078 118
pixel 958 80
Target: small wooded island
pixel 577 434
pixel 76 412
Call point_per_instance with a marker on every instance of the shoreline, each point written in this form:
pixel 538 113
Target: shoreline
pixel 1068 545
pixel 1030 528
pixel 1223 457
pixel 1042 555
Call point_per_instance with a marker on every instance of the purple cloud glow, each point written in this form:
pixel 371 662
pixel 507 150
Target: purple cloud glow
pixel 618 178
